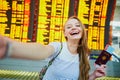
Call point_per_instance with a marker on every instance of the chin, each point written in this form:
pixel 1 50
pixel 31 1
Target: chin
pixel 76 38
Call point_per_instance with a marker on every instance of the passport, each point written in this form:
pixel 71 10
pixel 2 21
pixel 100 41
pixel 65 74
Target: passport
pixel 105 55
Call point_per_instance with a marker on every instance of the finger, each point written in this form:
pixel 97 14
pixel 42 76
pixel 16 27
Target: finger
pixel 103 66
pixel 100 73
pixel 101 70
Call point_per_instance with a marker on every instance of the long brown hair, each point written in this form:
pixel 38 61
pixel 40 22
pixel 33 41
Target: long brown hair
pixel 83 52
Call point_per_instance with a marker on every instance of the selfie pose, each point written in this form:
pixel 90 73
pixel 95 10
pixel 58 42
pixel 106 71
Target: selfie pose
pixel 72 63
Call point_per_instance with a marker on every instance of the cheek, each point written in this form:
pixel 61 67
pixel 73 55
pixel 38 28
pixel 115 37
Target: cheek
pixel 66 33
pixel 81 31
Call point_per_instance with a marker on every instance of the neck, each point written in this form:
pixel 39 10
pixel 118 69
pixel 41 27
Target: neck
pixel 73 45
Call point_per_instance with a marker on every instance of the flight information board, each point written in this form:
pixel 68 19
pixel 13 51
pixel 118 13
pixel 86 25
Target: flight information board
pixel 52 14
pixel 93 13
pixel 14 20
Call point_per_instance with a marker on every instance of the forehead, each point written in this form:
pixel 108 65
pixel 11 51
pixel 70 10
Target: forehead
pixel 72 21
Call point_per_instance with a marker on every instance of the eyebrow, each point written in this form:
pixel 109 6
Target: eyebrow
pixel 68 24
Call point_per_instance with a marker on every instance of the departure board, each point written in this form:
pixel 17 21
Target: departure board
pixel 5 8
pixel 49 18
pixel 93 13
pixel 14 19
pixel 52 16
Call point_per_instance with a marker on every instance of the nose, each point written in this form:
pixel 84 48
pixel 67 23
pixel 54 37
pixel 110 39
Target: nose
pixel 73 28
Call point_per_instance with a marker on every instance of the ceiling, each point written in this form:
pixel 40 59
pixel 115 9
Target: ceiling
pixel 118 3
pixel 116 21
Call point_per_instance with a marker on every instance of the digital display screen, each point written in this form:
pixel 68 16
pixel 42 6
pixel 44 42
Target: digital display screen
pixel 15 18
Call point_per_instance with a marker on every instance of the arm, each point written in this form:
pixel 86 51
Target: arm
pixel 98 72
pixel 31 50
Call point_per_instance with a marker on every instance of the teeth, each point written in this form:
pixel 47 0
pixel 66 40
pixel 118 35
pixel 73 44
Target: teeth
pixel 74 33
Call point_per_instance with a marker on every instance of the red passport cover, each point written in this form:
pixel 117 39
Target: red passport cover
pixel 103 58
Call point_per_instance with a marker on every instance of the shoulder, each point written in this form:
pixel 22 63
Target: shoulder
pixel 57 46
pixel 54 43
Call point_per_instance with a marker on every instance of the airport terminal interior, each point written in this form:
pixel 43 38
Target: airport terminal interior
pixel 42 21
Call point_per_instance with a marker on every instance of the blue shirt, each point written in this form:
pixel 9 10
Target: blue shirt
pixel 65 66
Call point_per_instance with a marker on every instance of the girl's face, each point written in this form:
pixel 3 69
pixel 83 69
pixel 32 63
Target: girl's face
pixel 73 29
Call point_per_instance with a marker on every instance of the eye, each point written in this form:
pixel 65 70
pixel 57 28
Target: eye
pixel 77 25
pixel 68 27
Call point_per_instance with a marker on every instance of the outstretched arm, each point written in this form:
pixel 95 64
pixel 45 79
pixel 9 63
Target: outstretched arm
pixel 31 50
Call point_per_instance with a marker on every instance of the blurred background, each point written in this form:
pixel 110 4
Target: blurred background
pixel 42 21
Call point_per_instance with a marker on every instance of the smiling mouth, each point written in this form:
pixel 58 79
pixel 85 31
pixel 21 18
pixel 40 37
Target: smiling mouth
pixel 74 33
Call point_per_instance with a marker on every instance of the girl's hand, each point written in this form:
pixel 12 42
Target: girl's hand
pixel 98 72
pixel 3 44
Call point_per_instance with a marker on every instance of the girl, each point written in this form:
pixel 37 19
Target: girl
pixel 71 64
